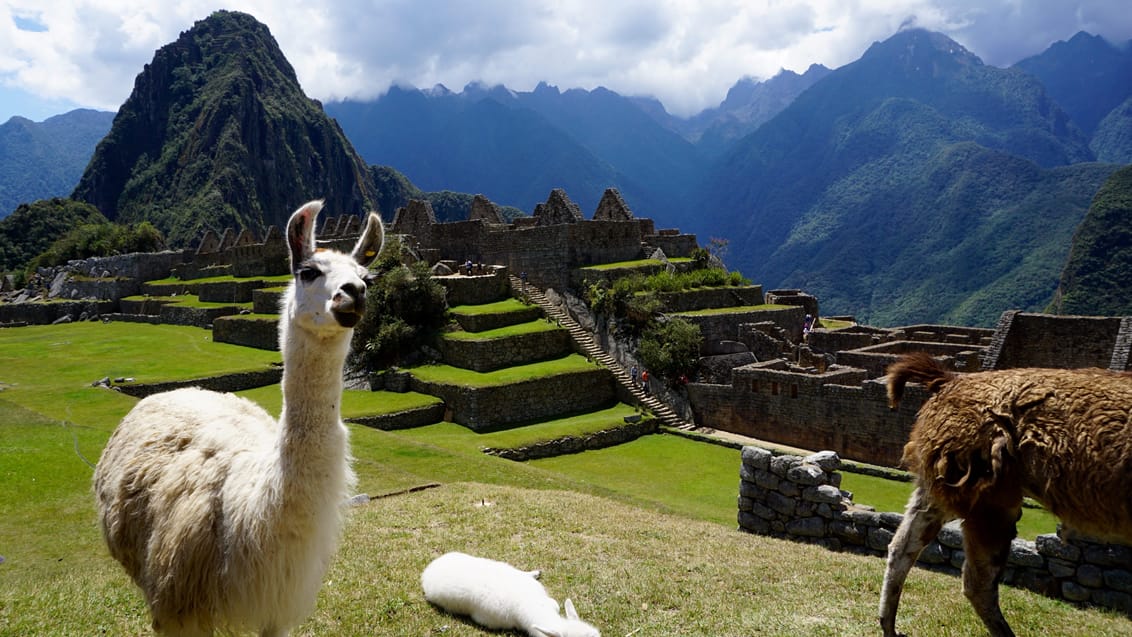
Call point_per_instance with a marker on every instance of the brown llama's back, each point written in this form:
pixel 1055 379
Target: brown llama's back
pixel 1063 437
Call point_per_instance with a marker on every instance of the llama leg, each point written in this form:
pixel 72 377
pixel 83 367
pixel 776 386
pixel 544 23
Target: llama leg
pixel 922 521
pixel 987 533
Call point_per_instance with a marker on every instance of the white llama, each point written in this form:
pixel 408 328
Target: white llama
pixel 226 518
pixel 499 596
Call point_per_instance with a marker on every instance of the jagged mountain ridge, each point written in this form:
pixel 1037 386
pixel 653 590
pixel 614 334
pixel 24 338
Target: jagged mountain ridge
pixel 515 147
pixel 820 197
pixel 894 135
pixel 1087 75
pixel 218 133
pixel 749 104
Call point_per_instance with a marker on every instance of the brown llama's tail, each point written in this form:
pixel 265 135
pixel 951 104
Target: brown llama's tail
pixel 917 366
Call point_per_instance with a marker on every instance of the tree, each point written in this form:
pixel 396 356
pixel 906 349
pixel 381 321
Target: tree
pixel 406 309
pixel 670 348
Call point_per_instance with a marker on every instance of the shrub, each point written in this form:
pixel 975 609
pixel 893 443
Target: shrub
pixel 406 309
pixel 670 348
pixel 100 239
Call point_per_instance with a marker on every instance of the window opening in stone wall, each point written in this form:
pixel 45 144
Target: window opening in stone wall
pixel 774 389
pixel 793 391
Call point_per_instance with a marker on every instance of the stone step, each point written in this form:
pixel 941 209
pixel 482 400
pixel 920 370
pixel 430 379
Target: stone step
pixel 587 344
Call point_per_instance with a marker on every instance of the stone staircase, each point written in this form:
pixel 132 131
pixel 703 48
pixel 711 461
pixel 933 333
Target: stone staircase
pixel 585 342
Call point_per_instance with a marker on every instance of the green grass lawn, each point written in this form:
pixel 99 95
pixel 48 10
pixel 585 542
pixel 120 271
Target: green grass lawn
pixel 453 436
pixel 735 310
pixel 519 329
pixel 355 403
pixel 447 374
pixel 638 263
pixel 499 307
pixel 278 278
pixel 641 535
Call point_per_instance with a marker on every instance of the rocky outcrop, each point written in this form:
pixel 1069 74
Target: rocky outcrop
pixel 218 133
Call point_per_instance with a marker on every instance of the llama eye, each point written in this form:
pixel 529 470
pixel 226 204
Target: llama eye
pixel 308 273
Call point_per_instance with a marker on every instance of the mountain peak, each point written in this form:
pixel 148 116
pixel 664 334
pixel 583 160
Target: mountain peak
pixel 920 49
pixel 218 133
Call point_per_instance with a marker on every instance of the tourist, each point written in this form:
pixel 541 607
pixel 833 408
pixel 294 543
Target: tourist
pixel 633 374
pixel 645 381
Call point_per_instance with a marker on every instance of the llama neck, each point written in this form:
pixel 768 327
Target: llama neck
pixel 312 395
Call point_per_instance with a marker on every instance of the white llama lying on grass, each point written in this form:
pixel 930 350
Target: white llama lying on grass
pixel 226 518
pixel 499 596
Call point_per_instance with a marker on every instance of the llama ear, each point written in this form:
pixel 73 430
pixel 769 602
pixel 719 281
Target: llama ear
pixel 300 233
pixel 370 243
pixel 570 612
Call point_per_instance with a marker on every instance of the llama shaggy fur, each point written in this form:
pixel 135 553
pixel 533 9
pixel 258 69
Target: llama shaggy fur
pixel 499 596
pixel 226 518
pixel 984 440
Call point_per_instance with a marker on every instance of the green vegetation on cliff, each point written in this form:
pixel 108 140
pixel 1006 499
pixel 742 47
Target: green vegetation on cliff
pixel 32 228
pixel 1097 279
pixel 218 133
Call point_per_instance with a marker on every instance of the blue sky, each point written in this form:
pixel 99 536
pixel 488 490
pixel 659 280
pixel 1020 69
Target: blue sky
pixel 65 54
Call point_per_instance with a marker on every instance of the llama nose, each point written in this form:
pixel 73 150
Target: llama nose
pixel 351 297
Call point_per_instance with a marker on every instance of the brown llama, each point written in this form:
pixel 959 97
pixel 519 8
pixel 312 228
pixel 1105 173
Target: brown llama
pixel 984 440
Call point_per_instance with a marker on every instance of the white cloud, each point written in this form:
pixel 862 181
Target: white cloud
pixel 686 52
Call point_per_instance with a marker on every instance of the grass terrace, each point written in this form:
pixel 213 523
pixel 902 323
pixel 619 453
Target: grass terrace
pixel 638 263
pixel 455 436
pixel 733 310
pixel 499 307
pixel 355 403
pixel 227 278
pixel 446 374
pixel 519 329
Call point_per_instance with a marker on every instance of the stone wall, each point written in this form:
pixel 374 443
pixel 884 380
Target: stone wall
pixel 140 266
pixel 707 298
pixel 800 498
pixel 230 291
pixel 52 312
pixel 548 253
pixel 838 409
pixel 494 320
pixel 237 381
pixel 176 314
pixel 485 355
pixel 875 359
pixel 476 289
pixel 250 331
pixel 724 326
pixel 1043 340
pixel 408 419
pixel 502 406
pixel 577 444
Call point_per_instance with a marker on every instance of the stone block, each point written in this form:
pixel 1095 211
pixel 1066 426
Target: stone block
pixel 825 493
pixel 827 460
pixel 1118 579
pixel 879 538
pixel 807 527
pixel 781 503
pixel 806 475
pixel 1050 545
pixel 780 465
pixel 1024 553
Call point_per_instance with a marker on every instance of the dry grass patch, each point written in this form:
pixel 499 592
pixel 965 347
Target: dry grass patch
pixel 629 570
